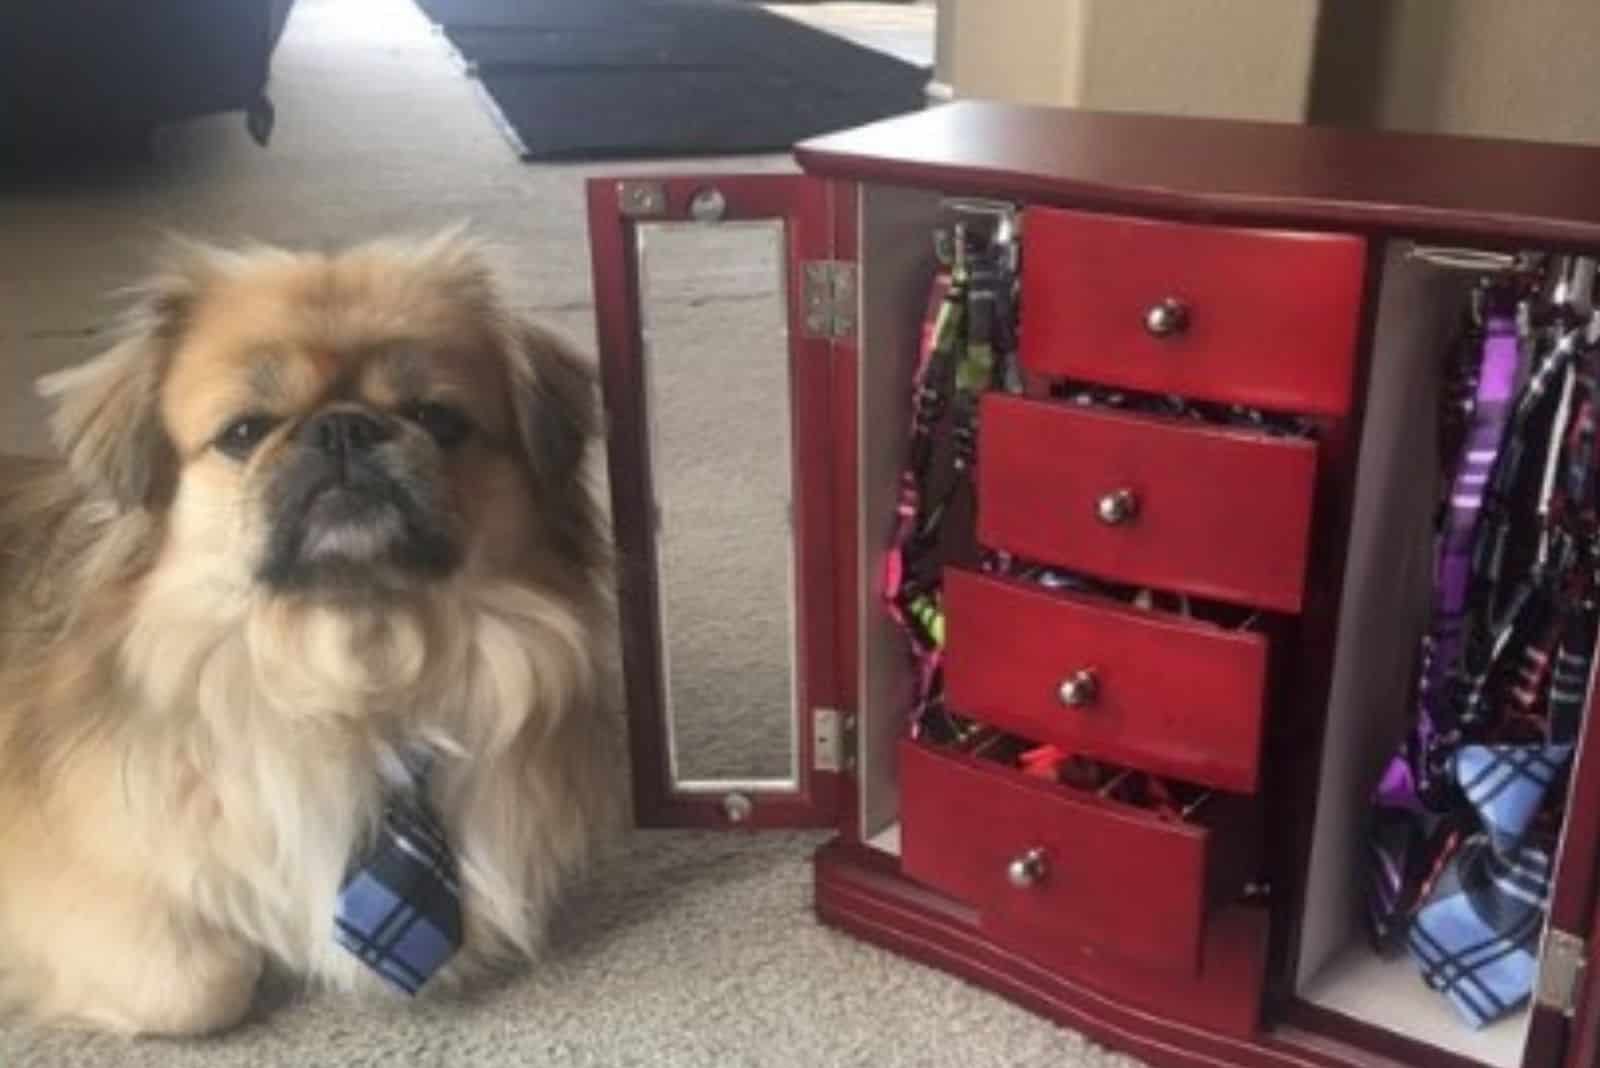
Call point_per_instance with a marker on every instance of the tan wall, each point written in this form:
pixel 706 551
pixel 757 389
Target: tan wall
pixel 1525 68
pixel 1237 58
pixel 1018 50
pixel 1243 58
pixel 1509 68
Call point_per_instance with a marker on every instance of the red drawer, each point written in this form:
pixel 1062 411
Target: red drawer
pixel 1268 318
pixel 1108 874
pixel 1143 689
pixel 1196 509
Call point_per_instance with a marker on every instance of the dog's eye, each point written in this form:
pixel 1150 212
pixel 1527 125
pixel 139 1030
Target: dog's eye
pixel 240 437
pixel 445 424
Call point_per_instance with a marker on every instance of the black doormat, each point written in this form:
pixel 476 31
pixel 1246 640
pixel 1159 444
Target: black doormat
pixel 610 79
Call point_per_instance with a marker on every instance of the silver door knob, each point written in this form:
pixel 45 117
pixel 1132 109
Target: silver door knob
pixel 1079 690
pixel 1027 870
pixel 1170 316
pixel 1117 507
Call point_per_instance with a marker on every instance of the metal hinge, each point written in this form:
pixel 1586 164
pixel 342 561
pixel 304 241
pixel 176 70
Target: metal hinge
pixel 1561 964
pixel 829 295
pixel 833 740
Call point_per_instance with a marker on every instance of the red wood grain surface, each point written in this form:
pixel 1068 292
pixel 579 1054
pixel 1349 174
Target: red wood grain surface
pixel 1491 192
pixel 801 204
pixel 1173 697
pixel 1222 513
pixel 1135 886
pixel 1272 315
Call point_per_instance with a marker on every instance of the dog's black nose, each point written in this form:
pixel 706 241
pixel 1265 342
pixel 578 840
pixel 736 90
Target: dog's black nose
pixel 339 433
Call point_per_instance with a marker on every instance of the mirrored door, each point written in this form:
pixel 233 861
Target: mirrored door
pixel 718 398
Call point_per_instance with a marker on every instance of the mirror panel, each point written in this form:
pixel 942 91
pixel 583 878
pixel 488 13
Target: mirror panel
pixel 714 318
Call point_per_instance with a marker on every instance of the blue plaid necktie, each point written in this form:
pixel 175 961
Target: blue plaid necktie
pixel 1476 937
pixel 1507 785
pixel 399 909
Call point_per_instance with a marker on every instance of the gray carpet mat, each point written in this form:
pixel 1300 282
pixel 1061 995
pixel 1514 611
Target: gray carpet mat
pixel 614 79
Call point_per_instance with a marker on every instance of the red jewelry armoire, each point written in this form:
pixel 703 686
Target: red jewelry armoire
pixel 1292 257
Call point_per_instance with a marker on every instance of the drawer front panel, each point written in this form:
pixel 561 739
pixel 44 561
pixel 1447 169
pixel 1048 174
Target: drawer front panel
pixel 1201 510
pixel 1264 318
pixel 1136 688
pixel 1104 873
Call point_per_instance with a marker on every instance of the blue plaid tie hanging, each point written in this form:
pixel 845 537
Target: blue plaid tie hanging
pixel 1476 937
pixel 1507 786
pixel 399 910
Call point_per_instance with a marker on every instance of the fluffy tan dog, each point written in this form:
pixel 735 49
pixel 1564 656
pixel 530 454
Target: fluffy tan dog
pixel 317 513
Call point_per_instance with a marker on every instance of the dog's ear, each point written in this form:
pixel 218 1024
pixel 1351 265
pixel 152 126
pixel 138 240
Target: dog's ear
pixel 557 403
pixel 107 419
pixel 553 388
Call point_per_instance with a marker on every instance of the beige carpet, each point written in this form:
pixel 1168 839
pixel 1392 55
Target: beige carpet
pixel 688 949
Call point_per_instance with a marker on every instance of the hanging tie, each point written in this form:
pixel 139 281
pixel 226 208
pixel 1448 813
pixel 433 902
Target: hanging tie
pixel 1476 936
pixel 1407 838
pixel 1492 407
pixel 399 910
pixel 966 347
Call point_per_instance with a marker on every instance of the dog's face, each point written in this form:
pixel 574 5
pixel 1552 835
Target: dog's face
pixel 349 422
pixel 304 424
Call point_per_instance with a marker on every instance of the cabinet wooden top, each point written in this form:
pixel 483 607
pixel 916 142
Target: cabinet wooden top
pixel 1490 192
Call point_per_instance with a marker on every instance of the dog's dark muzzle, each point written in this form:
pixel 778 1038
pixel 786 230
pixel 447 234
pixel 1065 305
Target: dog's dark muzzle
pixel 347 507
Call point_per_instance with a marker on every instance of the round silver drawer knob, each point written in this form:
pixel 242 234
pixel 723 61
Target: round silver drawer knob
pixel 1027 870
pixel 1170 316
pixel 1117 507
pixel 1079 690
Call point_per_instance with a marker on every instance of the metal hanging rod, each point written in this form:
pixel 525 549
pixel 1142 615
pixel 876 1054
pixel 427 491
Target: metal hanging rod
pixel 981 206
pixel 1569 280
pixel 1007 216
pixel 1476 261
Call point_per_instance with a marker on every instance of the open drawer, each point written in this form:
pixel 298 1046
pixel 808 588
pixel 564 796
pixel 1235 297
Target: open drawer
pixel 1055 863
pixel 1149 689
pixel 1209 511
pixel 1265 318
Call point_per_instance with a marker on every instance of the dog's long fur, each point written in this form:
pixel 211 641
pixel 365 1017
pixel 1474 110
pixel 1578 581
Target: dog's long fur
pixel 188 758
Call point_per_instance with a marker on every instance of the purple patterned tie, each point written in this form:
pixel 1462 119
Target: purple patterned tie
pixel 1401 846
pixel 1453 552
